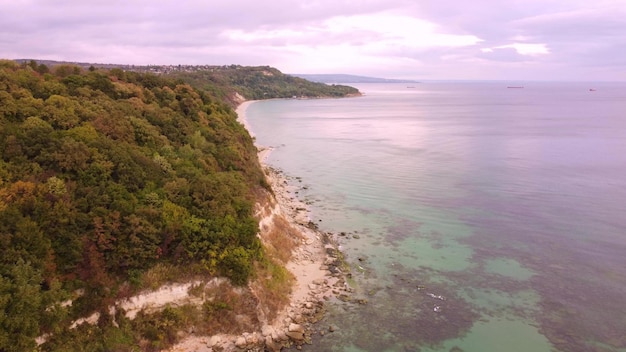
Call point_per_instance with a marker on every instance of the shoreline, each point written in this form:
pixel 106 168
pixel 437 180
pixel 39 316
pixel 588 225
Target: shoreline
pixel 315 264
pixel 315 245
pixel 242 118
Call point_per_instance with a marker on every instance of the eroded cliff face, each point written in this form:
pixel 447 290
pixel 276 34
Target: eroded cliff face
pixel 298 274
pixel 291 284
pixel 302 272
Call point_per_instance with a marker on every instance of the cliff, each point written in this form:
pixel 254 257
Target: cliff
pixel 130 206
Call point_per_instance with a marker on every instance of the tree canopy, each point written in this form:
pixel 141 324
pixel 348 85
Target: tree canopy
pixel 260 82
pixel 103 175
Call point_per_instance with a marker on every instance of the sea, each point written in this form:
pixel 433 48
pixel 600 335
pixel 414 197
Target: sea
pixel 474 216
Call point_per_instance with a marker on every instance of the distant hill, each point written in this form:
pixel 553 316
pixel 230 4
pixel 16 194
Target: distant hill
pixel 222 81
pixel 260 82
pixel 344 78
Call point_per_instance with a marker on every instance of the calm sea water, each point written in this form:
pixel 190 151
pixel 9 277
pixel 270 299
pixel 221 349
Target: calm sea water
pixel 476 217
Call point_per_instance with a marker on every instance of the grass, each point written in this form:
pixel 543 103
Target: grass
pixel 228 310
pixel 273 286
pixel 225 309
pixel 159 275
pixel 281 239
pixel 273 282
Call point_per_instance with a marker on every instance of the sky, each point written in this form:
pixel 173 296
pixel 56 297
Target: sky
pixel 574 40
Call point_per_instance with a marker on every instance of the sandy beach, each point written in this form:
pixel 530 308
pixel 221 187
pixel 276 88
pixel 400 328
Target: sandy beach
pixel 310 260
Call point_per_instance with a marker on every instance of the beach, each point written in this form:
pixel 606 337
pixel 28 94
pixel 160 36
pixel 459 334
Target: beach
pixel 315 264
pixel 310 261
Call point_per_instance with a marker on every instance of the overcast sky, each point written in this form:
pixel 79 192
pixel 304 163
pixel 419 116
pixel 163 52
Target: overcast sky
pixel 418 39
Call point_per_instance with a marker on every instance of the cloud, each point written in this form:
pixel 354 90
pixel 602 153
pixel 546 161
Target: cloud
pixel 503 54
pixel 399 38
pixel 369 31
pixel 363 42
pixel 602 20
pixel 526 49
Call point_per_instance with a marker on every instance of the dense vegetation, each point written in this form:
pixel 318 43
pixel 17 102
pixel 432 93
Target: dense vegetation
pixel 262 82
pixel 103 176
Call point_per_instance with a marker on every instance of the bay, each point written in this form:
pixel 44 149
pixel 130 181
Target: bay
pixel 476 217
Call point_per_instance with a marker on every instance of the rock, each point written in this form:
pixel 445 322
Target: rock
pixel 281 336
pixel 319 281
pixel 214 341
pixel 344 298
pixel 240 342
pixel 267 330
pixel 296 328
pixel 295 335
pixel 271 345
pixel 252 339
pixel 331 328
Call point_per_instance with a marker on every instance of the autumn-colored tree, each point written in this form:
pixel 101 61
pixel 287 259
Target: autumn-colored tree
pixel 104 175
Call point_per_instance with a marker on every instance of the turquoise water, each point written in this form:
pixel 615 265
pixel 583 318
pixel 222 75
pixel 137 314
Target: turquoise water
pixel 476 217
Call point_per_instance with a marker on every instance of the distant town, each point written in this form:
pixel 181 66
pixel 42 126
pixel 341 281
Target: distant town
pixel 166 69
pixel 156 69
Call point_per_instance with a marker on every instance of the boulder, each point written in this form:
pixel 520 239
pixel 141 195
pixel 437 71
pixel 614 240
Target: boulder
pixel 281 336
pixel 214 341
pixel 267 330
pixel 296 328
pixel 295 335
pixel 240 342
pixel 319 281
pixel 252 339
pixel 298 319
pixel 271 345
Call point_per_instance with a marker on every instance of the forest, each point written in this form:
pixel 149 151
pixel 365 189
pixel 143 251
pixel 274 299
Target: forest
pixel 259 82
pixel 107 176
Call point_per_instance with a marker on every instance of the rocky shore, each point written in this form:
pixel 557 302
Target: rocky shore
pixel 316 264
pixel 318 268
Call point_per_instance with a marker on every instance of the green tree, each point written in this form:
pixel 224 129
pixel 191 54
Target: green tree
pixel 8 107
pixel 66 70
pixel 102 176
pixel 20 307
pixel 60 112
pixel 237 265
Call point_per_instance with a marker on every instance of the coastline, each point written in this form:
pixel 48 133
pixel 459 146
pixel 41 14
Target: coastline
pixel 315 263
pixel 311 258
pixel 242 118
